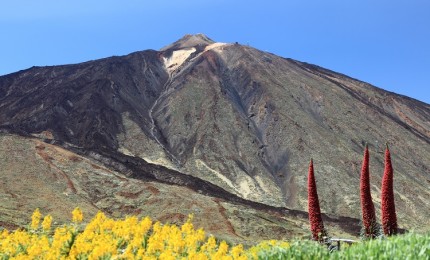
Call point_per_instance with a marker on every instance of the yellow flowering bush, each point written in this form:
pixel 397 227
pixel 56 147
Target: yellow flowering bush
pixel 106 238
pixel 133 238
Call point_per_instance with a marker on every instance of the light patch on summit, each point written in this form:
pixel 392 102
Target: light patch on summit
pixel 177 59
pixel 215 45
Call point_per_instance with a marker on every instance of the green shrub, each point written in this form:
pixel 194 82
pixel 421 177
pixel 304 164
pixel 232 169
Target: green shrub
pixel 408 246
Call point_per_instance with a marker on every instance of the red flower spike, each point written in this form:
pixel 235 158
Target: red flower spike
pixel 315 220
pixel 389 218
pixel 367 207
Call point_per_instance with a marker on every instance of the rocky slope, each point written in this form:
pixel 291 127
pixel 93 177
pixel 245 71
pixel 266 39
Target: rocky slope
pixel 241 122
pixel 57 180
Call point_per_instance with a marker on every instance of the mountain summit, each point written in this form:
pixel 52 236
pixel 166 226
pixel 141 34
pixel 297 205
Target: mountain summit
pixel 225 121
pixel 188 41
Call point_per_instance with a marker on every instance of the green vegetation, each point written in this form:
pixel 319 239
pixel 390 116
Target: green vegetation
pixel 408 246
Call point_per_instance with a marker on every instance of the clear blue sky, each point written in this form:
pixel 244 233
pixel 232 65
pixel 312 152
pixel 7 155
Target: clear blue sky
pixel 385 43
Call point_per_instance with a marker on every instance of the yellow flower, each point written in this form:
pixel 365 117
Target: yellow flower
pixel 77 215
pixel 210 245
pixel 237 251
pixel 39 246
pixel 188 227
pixel 46 223
pixel 198 256
pixel 167 255
pixel 222 250
pixel 126 238
pixel 35 219
pixel 144 225
pixel 4 234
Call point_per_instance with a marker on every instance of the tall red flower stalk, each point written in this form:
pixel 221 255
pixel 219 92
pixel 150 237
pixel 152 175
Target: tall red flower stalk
pixel 315 220
pixel 367 207
pixel 389 218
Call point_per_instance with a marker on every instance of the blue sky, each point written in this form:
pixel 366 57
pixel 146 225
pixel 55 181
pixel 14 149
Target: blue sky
pixel 385 43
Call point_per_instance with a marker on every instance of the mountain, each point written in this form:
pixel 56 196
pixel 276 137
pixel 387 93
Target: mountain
pixel 223 122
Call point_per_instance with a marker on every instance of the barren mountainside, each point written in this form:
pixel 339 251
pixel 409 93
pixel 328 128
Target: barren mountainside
pixel 222 121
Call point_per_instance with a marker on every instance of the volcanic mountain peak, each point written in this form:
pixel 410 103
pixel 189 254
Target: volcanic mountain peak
pixel 189 41
pixel 225 119
pixel 189 46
